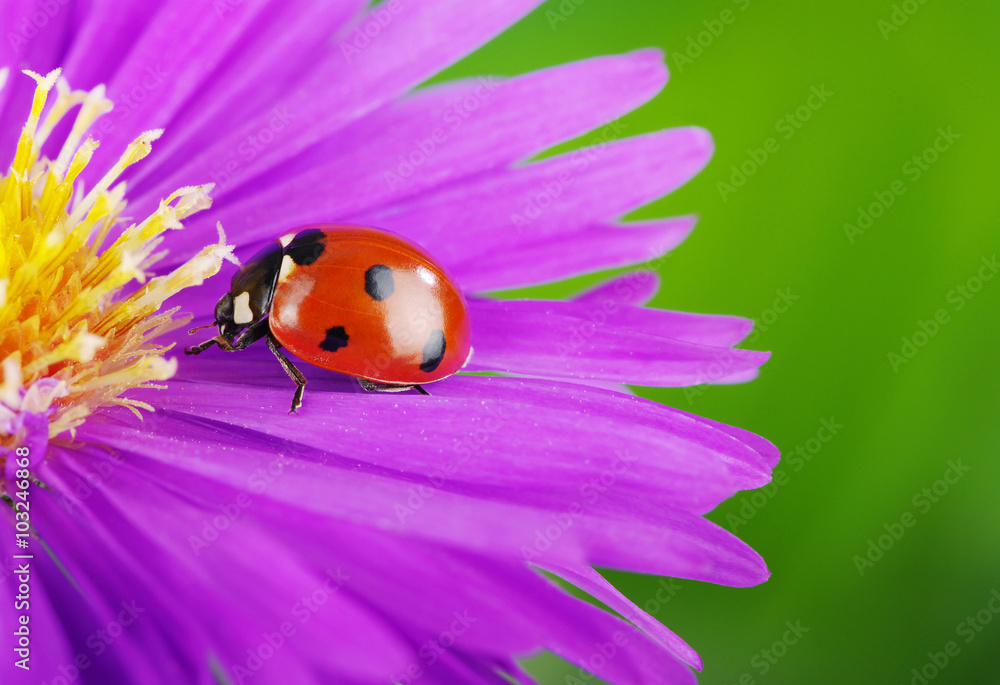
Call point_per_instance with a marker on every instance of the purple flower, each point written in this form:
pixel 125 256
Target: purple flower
pixel 169 522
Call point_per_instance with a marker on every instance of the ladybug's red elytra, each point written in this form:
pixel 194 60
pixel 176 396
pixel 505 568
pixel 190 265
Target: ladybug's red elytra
pixel 353 299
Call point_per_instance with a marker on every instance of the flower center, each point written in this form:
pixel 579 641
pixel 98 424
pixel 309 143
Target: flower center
pixel 78 313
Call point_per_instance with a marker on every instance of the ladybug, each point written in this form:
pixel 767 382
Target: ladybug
pixel 353 299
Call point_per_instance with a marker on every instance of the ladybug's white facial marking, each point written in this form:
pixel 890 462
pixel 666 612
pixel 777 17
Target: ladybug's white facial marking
pixel 241 309
pixel 287 264
pixel 285 239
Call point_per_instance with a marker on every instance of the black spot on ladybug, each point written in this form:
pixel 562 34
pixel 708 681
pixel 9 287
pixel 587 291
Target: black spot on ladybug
pixel 306 247
pixel 336 338
pixel 379 283
pixel 433 352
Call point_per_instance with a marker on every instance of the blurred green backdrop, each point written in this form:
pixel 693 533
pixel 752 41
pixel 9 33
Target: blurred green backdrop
pixel 898 74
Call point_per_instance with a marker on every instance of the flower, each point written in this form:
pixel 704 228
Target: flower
pixel 168 522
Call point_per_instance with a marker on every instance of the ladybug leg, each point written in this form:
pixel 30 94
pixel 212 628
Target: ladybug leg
pixel 252 335
pixel 368 385
pixel 293 373
pixel 372 386
pixel 248 337
pixel 201 347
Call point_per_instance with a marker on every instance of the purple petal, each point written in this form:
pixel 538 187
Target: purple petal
pixel 422 40
pixel 284 44
pixel 753 472
pixel 50 647
pixel 594 584
pixel 606 342
pixel 31 431
pixel 489 479
pixel 593 249
pixel 435 136
pixel 110 31
pixel 501 607
pixel 501 211
pixel 89 597
pixel 145 532
pixel 182 42
pixel 25 46
pixel 635 288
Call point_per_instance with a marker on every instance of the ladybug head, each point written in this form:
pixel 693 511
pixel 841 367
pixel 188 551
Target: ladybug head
pixel 250 293
pixel 224 312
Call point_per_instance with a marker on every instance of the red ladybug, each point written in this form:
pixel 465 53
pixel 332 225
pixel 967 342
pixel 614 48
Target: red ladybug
pixel 357 300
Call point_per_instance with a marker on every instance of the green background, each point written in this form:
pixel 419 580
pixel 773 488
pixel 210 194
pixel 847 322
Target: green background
pixel 784 230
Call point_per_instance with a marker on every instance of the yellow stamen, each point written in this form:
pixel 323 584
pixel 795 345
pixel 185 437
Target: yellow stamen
pixel 63 313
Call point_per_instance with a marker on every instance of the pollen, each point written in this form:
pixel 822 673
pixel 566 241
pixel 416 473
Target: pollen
pixel 79 308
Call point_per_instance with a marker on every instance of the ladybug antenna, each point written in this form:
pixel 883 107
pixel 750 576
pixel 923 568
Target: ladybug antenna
pixel 201 328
